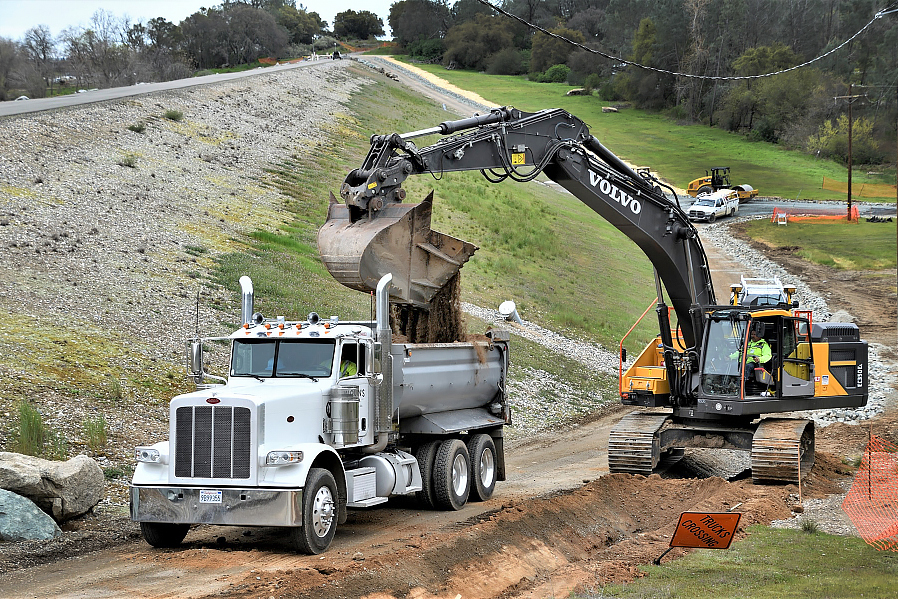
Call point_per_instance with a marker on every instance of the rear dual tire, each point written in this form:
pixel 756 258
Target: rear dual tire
pixel 452 472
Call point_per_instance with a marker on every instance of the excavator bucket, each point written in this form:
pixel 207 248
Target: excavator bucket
pixel 396 239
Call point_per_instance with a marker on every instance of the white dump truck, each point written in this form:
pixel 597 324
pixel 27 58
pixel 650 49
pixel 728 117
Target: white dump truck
pixel 711 206
pixel 319 416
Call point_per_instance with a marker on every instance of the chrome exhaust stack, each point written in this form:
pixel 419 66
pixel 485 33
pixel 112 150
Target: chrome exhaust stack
pixel 246 293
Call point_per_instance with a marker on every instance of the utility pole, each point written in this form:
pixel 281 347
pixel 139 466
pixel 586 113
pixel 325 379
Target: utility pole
pixel 850 94
pixel 850 99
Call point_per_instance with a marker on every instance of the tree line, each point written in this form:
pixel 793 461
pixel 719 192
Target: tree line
pixel 113 51
pixel 705 38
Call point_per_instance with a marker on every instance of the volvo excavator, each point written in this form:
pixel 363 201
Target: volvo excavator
pixel 696 384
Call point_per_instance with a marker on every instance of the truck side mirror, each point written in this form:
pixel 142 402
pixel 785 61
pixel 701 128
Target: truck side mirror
pixel 195 359
pixel 623 354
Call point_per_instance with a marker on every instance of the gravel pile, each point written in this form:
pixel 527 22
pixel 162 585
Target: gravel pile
pixel 107 235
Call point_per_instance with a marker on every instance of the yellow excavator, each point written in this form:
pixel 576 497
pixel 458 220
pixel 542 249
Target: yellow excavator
pixel 697 384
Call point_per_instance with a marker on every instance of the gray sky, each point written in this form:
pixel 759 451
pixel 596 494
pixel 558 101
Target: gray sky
pixel 18 16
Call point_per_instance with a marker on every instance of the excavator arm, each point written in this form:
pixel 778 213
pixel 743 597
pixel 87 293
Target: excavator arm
pixel 373 232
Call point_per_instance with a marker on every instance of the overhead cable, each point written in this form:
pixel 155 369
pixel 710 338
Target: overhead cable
pixel 893 7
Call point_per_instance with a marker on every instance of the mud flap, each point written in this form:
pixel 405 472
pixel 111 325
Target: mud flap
pixel 396 239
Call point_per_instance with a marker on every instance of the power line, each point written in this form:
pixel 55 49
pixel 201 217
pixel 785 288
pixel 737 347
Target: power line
pixel 893 7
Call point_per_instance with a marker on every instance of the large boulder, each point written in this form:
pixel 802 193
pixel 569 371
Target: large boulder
pixel 22 520
pixel 64 490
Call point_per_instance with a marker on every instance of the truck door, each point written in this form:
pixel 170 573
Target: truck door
pixel 796 358
pixel 355 371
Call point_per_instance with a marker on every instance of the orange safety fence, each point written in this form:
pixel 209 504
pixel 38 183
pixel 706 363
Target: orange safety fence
pixel 860 190
pixel 797 214
pixel 872 501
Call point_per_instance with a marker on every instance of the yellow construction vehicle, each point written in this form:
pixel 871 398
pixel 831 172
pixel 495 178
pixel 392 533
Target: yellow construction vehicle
pixel 703 378
pixel 719 178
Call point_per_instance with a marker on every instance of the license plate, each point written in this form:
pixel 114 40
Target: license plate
pixel 210 496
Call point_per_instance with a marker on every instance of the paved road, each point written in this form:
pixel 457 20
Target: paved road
pixel 764 207
pixel 114 93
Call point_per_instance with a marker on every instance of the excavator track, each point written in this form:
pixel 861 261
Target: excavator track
pixel 782 450
pixel 634 443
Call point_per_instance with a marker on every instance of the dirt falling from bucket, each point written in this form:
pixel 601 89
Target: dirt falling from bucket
pixel 441 322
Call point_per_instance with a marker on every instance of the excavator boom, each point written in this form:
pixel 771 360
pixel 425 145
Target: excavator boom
pixel 373 232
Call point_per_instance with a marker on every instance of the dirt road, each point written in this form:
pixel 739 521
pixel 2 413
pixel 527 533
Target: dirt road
pixel 559 522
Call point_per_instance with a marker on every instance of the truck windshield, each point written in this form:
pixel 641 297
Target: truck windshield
pixel 705 203
pixel 720 372
pixel 282 358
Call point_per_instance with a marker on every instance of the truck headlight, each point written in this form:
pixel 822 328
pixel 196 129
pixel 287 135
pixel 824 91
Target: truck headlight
pixel 147 454
pixel 282 458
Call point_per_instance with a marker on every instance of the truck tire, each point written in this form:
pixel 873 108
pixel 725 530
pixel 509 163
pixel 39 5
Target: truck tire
pixel 319 513
pixel 452 475
pixel 426 455
pixel 712 218
pixel 484 471
pixel 162 534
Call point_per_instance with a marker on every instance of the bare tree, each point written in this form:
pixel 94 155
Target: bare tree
pixel 40 50
pixel 9 60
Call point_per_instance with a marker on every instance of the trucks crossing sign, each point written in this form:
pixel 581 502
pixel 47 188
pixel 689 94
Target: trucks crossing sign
pixel 704 531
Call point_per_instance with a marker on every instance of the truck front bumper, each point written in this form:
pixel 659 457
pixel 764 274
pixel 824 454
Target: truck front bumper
pixel 240 507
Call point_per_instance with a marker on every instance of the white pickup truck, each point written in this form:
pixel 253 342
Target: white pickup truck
pixel 710 206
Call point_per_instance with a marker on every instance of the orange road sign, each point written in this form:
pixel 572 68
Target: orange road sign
pixel 706 531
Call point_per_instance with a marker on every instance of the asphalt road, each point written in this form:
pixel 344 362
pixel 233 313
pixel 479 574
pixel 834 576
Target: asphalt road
pixel 115 93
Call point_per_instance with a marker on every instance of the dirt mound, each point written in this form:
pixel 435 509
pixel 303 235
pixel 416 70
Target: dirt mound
pixel 600 533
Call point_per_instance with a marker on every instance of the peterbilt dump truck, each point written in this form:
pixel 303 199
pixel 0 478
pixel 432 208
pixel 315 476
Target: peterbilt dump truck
pixel 321 415
pixel 698 375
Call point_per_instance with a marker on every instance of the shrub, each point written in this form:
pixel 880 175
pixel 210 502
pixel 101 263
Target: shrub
pixel 129 159
pixel 427 50
pixel 592 82
pixel 554 74
pixel 95 432
pixel 173 115
pixel 137 127
pixel 809 526
pixel 31 433
pixel 831 141
pixel 33 437
pixel 507 61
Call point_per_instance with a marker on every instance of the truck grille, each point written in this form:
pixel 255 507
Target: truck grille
pixel 212 442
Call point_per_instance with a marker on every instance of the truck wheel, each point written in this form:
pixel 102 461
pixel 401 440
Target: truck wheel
pixel 483 467
pixel 161 534
pixel 712 218
pixel 319 513
pixel 426 455
pixel 451 475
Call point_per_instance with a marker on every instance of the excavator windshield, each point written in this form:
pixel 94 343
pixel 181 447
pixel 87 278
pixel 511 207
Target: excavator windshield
pixel 722 366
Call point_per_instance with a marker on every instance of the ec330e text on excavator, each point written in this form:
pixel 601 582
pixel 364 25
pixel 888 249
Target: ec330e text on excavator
pixel 705 379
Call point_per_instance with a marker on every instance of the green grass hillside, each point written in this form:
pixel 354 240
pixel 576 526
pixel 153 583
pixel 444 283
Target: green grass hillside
pixel 679 153
pixel 565 267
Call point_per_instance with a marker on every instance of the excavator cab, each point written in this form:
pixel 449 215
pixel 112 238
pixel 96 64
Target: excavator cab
pixel 787 374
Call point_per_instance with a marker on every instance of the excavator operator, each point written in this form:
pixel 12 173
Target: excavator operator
pixel 758 349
